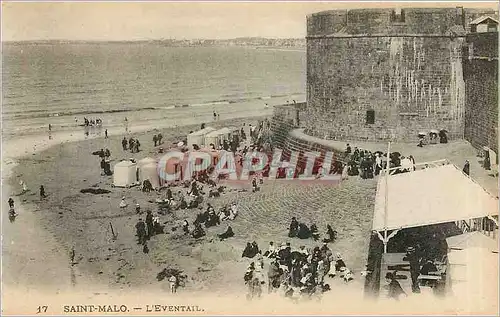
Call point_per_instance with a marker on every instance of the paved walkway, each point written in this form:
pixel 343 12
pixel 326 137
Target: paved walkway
pixel 456 152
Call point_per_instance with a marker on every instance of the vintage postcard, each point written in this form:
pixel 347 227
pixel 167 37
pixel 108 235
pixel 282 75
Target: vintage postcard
pixel 250 158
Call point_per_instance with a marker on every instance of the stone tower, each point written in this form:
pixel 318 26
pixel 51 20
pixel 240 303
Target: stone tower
pixel 379 74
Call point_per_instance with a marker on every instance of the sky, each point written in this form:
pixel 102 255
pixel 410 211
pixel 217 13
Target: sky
pixel 112 21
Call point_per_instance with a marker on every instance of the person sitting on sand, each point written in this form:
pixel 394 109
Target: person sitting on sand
pixel 24 186
pixel 314 232
pixel 224 214
pixel 157 227
pixel 185 227
pixel 182 203
pixel 339 262
pixel 271 252
pixel 123 204
pixel 324 249
pixel 168 194
pixel 331 234
pixel 255 249
pixel 303 231
pixel 248 252
pixel 303 250
pixel 294 228
pixel 198 231
pixel 12 215
pixel 233 211
pixel 227 234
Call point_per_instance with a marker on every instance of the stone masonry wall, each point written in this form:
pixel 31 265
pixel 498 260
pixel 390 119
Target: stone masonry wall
pixel 481 80
pixel 285 119
pixel 409 73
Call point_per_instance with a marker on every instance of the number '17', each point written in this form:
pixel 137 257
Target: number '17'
pixel 42 309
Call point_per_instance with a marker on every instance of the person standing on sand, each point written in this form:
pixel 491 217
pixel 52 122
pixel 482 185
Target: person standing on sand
pixel 131 144
pixel 149 223
pixel 11 203
pixel 106 133
pixel 155 139
pixel 141 231
pixel 124 143
pixel 72 256
pixel 50 127
pixel 42 192
pixel 215 115
pixel 173 284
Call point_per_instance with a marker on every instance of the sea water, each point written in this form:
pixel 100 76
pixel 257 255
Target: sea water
pixel 147 83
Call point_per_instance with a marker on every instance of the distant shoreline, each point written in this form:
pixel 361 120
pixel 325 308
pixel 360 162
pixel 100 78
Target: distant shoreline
pixel 258 43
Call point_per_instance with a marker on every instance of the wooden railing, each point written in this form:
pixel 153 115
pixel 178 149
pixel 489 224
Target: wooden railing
pixel 417 166
pixel 486 225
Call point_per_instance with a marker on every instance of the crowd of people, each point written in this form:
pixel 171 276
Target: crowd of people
pixel 131 144
pixel 300 273
pixel 367 164
pixel 91 122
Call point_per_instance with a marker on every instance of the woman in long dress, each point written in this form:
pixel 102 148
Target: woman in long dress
pixel 345 172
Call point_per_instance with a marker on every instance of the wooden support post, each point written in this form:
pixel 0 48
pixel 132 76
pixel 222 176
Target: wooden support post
pixel 386 239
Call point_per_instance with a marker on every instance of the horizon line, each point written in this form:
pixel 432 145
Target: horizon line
pixel 159 39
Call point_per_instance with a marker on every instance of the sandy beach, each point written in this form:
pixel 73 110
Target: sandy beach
pixel 35 252
pixel 45 231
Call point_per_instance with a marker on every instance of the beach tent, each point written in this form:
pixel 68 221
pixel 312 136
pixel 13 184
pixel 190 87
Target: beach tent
pixel 225 133
pixel 474 239
pixel 198 137
pixel 172 166
pixel 145 161
pixel 213 153
pixel 125 174
pixel 215 137
pixel 431 196
pixel 472 277
pixel 150 172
